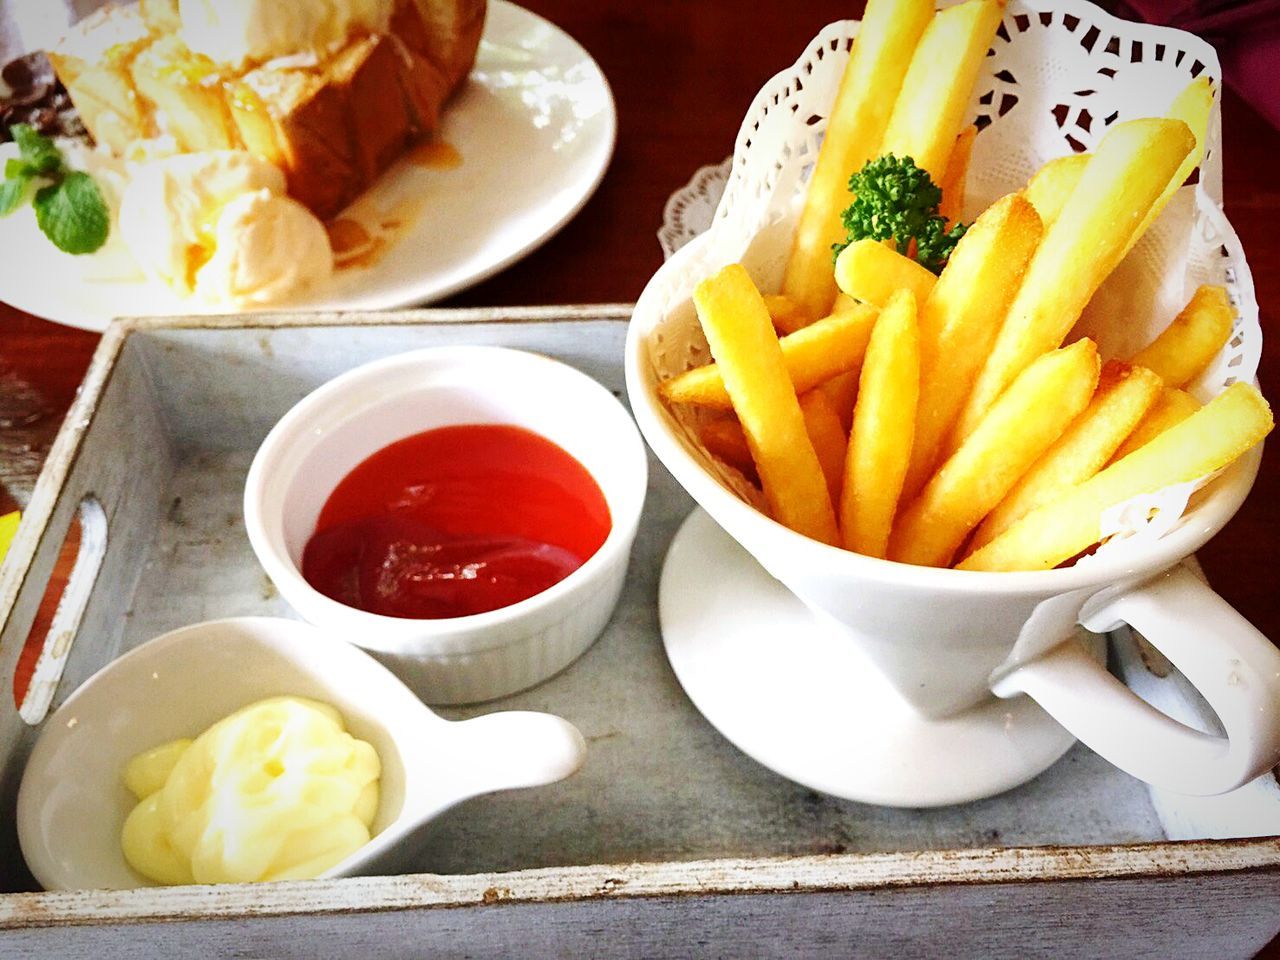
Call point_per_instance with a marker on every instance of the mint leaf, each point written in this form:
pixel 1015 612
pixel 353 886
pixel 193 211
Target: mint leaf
pixel 15 168
pixel 12 192
pixel 73 214
pixel 37 150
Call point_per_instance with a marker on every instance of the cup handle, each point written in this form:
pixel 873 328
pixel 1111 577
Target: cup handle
pixel 1233 666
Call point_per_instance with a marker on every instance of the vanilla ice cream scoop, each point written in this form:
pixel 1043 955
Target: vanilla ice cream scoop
pixel 218 224
pixel 238 32
pixel 266 246
pixel 171 207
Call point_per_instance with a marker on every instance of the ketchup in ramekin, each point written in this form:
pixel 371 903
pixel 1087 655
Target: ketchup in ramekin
pixel 456 521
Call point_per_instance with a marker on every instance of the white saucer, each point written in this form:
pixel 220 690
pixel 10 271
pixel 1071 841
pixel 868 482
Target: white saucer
pixel 535 125
pixel 802 702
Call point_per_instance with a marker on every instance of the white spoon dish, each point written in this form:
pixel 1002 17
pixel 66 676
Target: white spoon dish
pixel 72 802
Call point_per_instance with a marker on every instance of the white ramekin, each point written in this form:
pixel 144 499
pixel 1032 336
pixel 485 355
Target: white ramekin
pixel 329 432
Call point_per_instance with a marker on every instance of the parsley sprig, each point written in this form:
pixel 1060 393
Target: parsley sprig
pixel 896 200
pixel 70 209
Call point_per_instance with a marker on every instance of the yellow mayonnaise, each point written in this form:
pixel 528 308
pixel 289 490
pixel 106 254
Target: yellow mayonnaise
pixel 276 791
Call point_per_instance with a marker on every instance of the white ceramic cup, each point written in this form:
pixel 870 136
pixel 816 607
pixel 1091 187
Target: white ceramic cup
pixel 946 640
pixel 330 431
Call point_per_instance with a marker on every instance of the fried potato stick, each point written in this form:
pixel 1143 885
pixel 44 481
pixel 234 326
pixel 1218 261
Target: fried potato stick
pixel 869 87
pixel 956 175
pixel 1052 184
pixel 871 271
pixel 842 391
pixel 1193 107
pixel 1020 426
pixel 960 320
pixel 1188 345
pixel 787 315
pixel 883 422
pixel 1125 393
pixel 1121 182
pixel 725 441
pixel 738 329
pixel 930 110
pixel 1171 407
pixel 1206 441
pixel 826 432
pixel 811 355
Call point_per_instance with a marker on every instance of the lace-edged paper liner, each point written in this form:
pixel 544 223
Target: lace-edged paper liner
pixel 1059 74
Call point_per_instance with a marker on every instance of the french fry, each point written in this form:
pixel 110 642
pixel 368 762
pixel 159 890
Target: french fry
pixel 881 54
pixel 725 441
pixel 961 318
pixel 956 175
pixel 827 435
pixel 811 355
pixel 787 315
pixel 872 272
pixel 1171 407
pixel 741 337
pixel 1125 393
pixel 1208 440
pixel 883 421
pixel 1193 107
pixel 1052 184
pixel 1189 344
pixel 1020 426
pixel 1122 180
pixel 930 109
pixel 842 392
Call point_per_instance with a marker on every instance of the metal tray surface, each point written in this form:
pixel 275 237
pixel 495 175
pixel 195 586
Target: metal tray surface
pixel 162 438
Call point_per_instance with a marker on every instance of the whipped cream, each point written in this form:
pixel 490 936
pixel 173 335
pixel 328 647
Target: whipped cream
pixel 240 32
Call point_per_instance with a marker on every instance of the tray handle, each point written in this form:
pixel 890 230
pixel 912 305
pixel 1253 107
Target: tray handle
pixel 55 645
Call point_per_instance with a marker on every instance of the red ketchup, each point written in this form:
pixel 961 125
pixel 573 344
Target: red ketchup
pixel 455 521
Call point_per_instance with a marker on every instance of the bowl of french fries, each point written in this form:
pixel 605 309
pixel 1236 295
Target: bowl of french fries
pixel 962 387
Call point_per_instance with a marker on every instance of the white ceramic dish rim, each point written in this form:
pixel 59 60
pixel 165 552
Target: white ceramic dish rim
pixel 454 635
pixel 383 296
pixel 1218 504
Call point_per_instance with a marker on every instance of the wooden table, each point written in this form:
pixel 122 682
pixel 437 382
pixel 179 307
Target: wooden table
pixel 663 59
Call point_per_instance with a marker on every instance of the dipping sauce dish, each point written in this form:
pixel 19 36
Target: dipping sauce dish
pixel 331 432
pixel 73 800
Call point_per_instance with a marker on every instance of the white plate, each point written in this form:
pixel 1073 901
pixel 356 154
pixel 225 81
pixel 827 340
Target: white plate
pixel 795 698
pixel 535 125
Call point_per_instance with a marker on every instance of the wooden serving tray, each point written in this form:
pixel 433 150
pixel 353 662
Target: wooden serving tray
pixel 669 842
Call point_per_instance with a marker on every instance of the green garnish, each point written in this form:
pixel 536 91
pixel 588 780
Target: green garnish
pixel 70 209
pixel 896 200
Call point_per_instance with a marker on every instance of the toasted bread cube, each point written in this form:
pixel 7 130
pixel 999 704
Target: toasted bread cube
pixel 450 34
pixel 161 16
pixel 93 64
pixel 381 122
pixel 188 89
pixel 254 122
